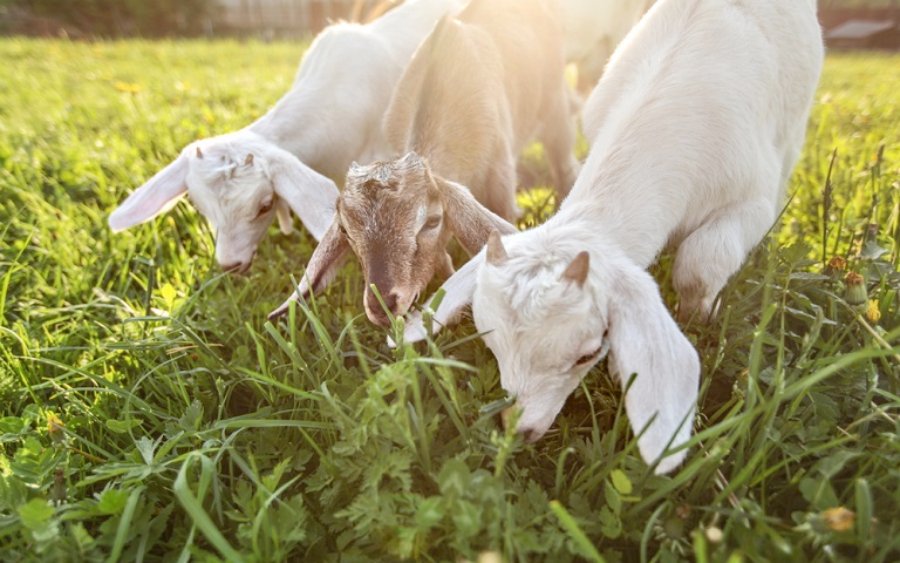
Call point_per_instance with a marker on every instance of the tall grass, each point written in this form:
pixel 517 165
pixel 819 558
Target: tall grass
pixel 150 412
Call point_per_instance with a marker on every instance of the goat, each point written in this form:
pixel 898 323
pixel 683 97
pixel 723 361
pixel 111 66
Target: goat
pixel 398 218
pixel 695 128
pixel 477 89
pixel 284 161
pixel 593 30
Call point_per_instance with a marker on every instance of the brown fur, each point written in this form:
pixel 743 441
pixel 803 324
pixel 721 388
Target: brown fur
pixel 478 89
pixel 379 218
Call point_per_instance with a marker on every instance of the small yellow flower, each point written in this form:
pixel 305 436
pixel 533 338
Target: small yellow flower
pixel 55 426
pixel 873 312
pixel 127 87
pixel 839 519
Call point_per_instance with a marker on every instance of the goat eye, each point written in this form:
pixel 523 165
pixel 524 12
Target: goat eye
pixel 588 358
pixel 433 222
pixel 265 208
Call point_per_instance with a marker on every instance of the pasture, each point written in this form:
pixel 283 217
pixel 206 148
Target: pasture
pixel 148 411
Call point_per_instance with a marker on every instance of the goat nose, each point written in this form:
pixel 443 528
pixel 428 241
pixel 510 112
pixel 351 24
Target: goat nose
pixel 528 434
pixel 389 298
pixel 236 267
pixel 233 267
pixel 390 302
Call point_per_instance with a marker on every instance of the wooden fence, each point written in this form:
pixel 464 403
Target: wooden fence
pixel 289 18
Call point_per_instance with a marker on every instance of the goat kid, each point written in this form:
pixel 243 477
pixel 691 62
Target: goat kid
pixel 284 161
pixel 398 218
pixel 477 89
pixel 695 128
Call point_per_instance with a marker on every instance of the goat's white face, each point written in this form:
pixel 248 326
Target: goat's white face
pixel 240 182
pixel 550 311
pixel 233 191
pixel 545 326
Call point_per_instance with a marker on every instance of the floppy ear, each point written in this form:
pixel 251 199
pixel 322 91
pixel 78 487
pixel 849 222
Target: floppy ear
pixel 644 340
pixel 159 194
pixel 309 194
pixel 458 291
pixel 470 221
pixel 323 265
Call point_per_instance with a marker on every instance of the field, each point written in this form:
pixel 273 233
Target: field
pixel 149 412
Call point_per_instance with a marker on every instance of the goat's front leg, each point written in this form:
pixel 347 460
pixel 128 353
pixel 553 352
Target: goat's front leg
pixel 500 196
pixel 558 137
pixel 714 251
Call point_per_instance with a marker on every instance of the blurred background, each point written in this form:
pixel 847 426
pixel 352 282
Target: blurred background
pixel 850 23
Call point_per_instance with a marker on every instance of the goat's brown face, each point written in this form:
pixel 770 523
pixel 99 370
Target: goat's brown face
pixel 392 215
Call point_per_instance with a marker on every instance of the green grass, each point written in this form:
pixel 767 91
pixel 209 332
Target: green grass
pixel 150 412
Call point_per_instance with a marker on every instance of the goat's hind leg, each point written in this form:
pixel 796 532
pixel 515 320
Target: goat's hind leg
pixel 714 251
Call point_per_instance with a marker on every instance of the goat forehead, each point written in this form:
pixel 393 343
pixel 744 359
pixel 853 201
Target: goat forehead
pixel 377 210
pixel 392 175
pixel 532 290
pixel 236 195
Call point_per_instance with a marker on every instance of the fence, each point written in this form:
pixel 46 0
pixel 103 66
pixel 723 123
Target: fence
pixel 291 17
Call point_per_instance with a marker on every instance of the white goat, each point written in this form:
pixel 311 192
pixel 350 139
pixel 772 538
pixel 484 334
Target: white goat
pixel 283 161
pixel 479 87
pixel 695 128
pixel 593 29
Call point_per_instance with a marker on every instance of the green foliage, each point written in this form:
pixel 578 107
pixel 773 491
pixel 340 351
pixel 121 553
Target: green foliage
pixel 150 412
pixel 117 18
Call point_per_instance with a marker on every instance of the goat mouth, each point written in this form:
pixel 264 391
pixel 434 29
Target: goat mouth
pixel 381 321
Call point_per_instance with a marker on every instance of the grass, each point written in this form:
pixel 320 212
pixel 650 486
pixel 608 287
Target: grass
pixel 149 412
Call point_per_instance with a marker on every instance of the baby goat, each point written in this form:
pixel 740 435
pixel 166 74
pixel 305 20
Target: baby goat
pixel 477 89
pixel 695 127
pixel 283 161
pixel 398 218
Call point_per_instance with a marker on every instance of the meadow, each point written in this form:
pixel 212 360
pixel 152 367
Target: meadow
pixel 148 411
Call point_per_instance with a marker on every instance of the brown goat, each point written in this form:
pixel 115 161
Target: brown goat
pixel 401 256
pixel 478 88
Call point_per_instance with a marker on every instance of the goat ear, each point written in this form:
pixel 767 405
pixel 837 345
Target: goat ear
pixel 644 340
pixel 578 269
pixel 470 221
pixel 283 212
pixel 324 263
pixel 496 253
pixel 458 291
pixel 309 194
pixel 158 195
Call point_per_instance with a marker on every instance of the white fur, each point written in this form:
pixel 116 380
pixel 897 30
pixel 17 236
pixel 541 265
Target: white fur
pixel 594 28
pixel 331 115
pixel 695 128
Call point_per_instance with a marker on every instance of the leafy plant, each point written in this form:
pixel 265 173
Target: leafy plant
pixel 149 412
